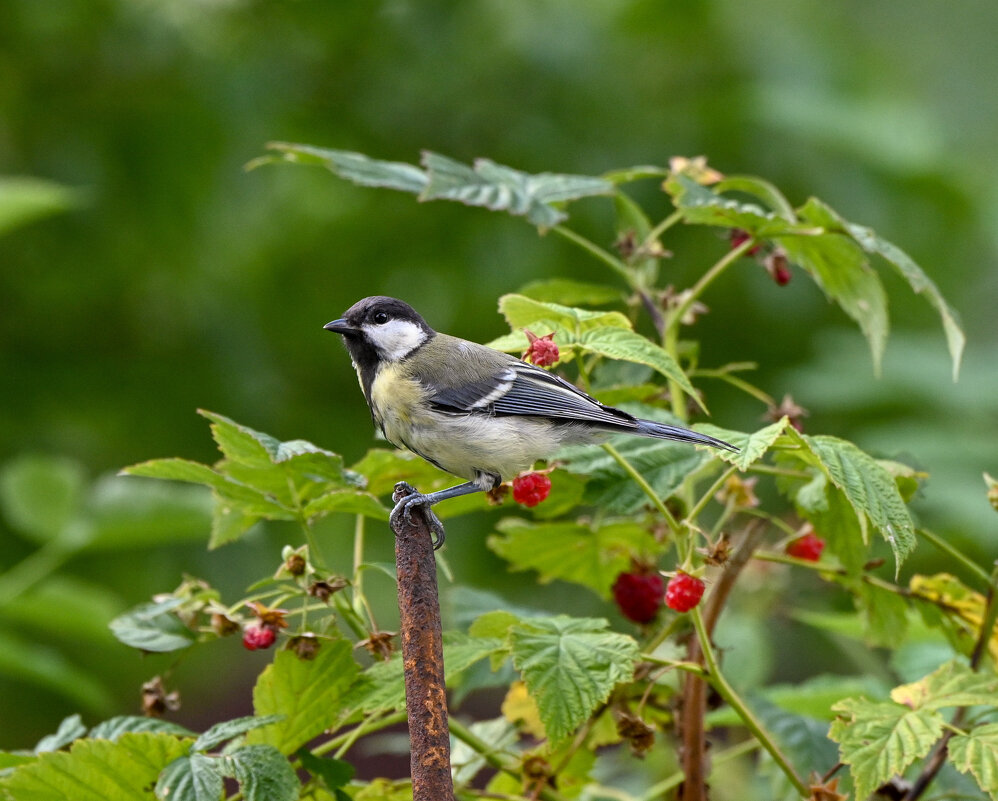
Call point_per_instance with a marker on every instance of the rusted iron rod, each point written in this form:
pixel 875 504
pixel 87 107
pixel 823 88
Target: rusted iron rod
pixel 422 659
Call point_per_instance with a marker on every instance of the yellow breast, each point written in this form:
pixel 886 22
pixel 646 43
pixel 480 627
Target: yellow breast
pixel 395 403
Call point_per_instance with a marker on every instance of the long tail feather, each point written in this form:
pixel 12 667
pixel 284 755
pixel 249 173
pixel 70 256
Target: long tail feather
pixel 649 428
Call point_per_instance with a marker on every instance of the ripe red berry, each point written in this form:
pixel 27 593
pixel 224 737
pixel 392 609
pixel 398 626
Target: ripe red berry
pixel 257 636
pixel 542 351
pixel 638 595
pixel 683 592
pixel 808 547
pixel 531 489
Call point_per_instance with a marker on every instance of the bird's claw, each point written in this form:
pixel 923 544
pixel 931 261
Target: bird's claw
pixel 413 499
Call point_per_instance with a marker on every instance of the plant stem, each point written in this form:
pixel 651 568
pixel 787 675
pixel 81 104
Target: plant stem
pixel 687 667
pixel 962 558
pixel 496 759
pixel 725 690
pixel 705 498
pixel 33 569
pixel 603 255
pixel 659 790
pixel 367 726
pixel 639 479
pixel 661 228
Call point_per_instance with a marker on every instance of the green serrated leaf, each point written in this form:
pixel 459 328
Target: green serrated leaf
pixel 629 346
pixel 354 167
pixel 869 488
pixel 71 728
pixel 347 502
pixel 24 199
pixel 240 443
pixel 9 759
pixel 839 267
pixel 229 523
pixel 569 292
pixel 664 464
pixel 700 204
pixel 880 740
pixel 153 627
pixel 952 684
pixel 572 552
pixel 500 188
pixel 493 624
pixel 977 753
pixel 570 666
pixel 191 778
pixel 885 615
pixel 309 693
pixel 917 280
pixel 751 447
pixel 384 468
pixel 333 772
pixel 523 312
pixel 263 773
pixel 228 729
pixel 248 498
pixel 39 494
pixel 96 770
pixel 764 190
pixel 113 728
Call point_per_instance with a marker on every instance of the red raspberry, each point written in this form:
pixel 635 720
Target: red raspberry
pixel 638 595
pixel 531 489
pixel 683 592
pixel 542 351
pixel 808 547
pixel 257 636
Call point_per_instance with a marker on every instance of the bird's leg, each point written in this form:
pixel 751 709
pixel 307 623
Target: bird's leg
pixel 413 498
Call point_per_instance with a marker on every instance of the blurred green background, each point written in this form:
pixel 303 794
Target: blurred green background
pixel 175 280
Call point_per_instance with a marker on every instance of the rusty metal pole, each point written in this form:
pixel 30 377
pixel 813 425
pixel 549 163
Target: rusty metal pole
pixel 422 660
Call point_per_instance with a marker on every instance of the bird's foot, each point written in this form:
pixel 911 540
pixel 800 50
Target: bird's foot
pixel 411 499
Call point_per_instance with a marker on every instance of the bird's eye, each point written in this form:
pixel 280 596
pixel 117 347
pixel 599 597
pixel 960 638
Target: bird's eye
pixel 381 317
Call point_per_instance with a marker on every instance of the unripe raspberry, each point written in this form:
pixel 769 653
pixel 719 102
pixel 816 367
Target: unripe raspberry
pixel 778 267
pixel 639 595
pixel 683 592
pixel 257 636
pixel 531 489
pixel 808 547
pixel 542 351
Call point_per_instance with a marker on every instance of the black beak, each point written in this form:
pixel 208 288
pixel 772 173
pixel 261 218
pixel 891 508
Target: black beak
pixel 340 326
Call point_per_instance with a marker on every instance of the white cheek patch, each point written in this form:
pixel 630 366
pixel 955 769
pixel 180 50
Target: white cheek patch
pixel 396 339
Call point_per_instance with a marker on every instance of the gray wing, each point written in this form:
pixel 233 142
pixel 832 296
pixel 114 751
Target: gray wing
pixel 522 389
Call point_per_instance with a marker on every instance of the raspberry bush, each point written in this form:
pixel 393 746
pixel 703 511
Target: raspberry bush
pixel 613 702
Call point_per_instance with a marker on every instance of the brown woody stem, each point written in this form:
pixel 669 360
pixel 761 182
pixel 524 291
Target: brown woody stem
pixel 422 659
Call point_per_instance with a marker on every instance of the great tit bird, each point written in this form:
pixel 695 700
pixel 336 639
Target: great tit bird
pixel 470 410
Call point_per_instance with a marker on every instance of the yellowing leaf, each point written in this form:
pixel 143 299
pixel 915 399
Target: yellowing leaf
pixel 966 607
pixel 519 708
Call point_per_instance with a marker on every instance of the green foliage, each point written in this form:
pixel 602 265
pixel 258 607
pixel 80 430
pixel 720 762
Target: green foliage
pixel 589 691
pixel 307 694
pixel 24 199
pixel 570 666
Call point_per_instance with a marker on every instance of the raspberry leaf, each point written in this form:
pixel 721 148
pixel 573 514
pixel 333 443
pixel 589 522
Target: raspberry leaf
pixel 354 167
pixel 572 552
pixel 309 693
pixel 977 753
pixel 751 447
pixel 191 778
pixel 953 684
pixel 263 773
pixel 570 666
pixel 96 770
pixel 880 740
